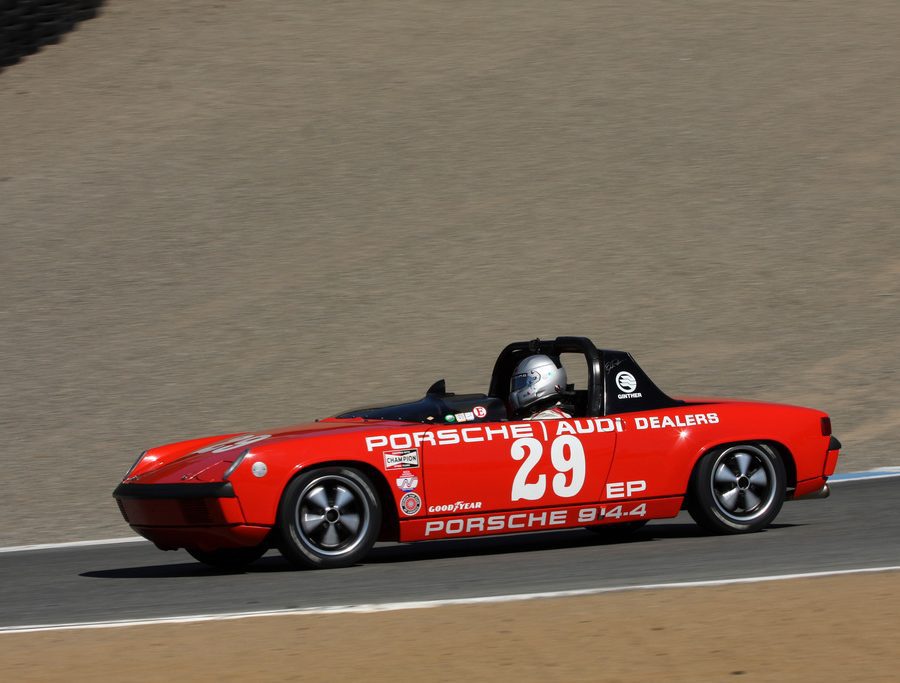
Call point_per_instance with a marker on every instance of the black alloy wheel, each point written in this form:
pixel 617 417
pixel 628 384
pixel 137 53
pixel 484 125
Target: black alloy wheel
pixel 737 489
pixel 329 517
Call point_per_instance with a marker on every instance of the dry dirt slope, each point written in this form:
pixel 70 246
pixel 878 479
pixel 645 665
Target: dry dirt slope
pixel 218 216
pixel 827 629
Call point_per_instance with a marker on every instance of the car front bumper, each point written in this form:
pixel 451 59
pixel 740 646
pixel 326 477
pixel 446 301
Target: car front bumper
pixel 207 516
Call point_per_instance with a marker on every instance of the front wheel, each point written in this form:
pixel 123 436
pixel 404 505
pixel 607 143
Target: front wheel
pixel 328 518
pixel 737 489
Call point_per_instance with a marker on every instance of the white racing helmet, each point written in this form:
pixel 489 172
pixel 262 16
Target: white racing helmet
pixel 536 378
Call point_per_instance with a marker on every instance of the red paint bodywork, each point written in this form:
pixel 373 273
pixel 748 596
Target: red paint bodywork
pixel 471 468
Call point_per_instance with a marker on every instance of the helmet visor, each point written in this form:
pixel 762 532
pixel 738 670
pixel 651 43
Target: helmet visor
pixel 521 380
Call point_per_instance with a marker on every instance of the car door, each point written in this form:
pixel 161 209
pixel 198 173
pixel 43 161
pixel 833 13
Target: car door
pixel 517 465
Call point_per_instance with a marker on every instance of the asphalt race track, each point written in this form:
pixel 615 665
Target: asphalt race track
pixel 856 528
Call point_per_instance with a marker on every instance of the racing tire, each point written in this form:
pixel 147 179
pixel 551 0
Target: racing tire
pixel 616 532
pixel 229 559
pixel 328 518
pixel 737 489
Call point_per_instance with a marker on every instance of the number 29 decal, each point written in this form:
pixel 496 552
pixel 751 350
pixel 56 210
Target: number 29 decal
pixel 566 455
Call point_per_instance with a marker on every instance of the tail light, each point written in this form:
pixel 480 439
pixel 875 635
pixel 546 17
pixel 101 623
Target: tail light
pixel 826 426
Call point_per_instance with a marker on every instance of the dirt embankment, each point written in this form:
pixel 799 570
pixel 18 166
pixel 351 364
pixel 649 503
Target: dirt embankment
pixel 227 216
pixel 830 629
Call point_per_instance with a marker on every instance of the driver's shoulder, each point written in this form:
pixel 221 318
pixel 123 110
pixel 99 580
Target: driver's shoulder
pixel 553 413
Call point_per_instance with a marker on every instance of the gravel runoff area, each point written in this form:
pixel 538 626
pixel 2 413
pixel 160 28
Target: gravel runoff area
pixel 825 629
pixel 228 216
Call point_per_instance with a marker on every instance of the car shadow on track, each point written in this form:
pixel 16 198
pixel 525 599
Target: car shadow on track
pixel 390 553
pixel 154 571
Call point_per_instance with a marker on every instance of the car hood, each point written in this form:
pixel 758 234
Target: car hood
pixel 207 459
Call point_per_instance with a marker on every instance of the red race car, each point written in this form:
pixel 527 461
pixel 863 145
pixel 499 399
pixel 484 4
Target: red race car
pixel 620 452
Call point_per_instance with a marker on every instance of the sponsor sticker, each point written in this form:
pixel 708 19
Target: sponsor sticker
pixel 456 507
pixel 460 417
pixel 410 503
pixel 398 460
pixel 449 418
pixel 626 382
pixel 479 411
pixel 627 385
pixel 407 482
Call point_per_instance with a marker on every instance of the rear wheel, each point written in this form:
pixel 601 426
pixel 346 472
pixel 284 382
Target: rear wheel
pixel 229 559
pixel 737 489
pixel 329 517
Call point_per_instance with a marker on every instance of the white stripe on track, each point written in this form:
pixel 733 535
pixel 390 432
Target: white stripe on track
pixel 879 473
pixel 72 544
pixel 427 604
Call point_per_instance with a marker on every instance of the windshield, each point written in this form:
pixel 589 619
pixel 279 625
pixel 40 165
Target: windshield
pixel 437 409
pixel 427 409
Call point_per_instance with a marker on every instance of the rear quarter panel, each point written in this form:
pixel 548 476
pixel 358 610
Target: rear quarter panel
pixel 662 446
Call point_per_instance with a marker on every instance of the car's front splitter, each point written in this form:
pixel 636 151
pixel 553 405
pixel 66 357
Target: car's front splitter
pixel 204 537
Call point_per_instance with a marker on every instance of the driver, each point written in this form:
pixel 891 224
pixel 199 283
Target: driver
pixel 536 386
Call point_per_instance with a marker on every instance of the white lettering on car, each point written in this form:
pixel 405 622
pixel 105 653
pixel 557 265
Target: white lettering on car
pixel 474 524
pixel 517 430
pixel 566 455
pixel 455 507
pixel 625 489
pixel 423 437
pixel 448 436
pixel 373 442
pixel 522 489
pixel 539 519
pixel 679 421
pixel 468 437
pixel 574 463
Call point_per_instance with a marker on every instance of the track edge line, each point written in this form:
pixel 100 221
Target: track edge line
pixel 429 604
